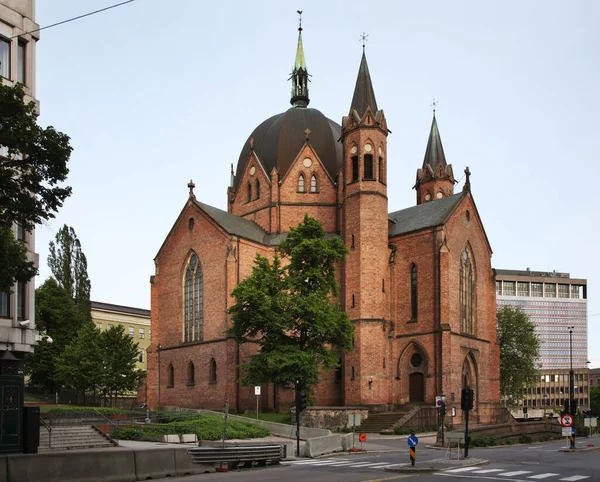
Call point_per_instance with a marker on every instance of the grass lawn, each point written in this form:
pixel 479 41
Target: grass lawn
pixel 270 417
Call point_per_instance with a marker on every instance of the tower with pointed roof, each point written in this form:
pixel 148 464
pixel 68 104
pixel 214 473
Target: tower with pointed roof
pixel 299 76
pixel 365 231
pixel 435 179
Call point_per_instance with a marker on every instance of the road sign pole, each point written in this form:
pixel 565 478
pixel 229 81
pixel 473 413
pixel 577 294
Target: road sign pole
pixel 413 455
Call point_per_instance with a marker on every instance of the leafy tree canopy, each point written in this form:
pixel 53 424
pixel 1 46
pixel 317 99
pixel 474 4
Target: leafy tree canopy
pixel 33 162
pixel 285 307
pixel 69 266
pixel 595 400
pixel 14 265
pixel 519 352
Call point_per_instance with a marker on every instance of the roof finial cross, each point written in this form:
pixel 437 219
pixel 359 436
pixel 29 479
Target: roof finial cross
pixel 433 104
pixel 307 133
pixel 299 20
pixel 467 186
pixel 364 37
pixel 191 185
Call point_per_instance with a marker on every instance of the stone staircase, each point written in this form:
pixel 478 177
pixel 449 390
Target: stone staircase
pixel 73 437
pixel 376 422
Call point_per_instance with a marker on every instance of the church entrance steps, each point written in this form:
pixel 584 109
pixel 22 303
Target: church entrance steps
pixel 72 437
pixel 377 422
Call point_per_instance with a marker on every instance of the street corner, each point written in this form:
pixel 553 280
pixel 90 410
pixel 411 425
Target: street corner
pixel 437 465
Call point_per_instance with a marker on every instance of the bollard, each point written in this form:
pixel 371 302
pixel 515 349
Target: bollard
pixel 413 456
pixel 412 447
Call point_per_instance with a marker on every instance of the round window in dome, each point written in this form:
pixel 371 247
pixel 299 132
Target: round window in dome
pixel 416 360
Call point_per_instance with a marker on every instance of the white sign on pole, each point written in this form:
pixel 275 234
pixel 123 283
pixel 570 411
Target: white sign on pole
pixel 353 419
pixel 590 422
pixel 567 431
pixel 257 390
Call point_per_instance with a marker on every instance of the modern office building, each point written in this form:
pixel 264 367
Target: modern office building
pixel 557 305
pixel 135 321
pixel 17 324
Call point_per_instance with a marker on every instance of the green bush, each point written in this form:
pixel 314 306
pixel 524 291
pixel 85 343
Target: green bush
pixel 75 410
pixel 483 441
pixel 524 439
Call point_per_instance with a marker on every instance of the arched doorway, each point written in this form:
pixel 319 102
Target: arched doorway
pixel 416 390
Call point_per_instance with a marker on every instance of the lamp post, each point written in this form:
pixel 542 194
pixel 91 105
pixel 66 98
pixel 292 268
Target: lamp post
pixel 571 380
pixel 158 402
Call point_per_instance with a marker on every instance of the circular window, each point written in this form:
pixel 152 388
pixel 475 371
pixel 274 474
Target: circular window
pixel 427 197
pixel 440 195
pixel 416 360
pixel 354 149
pixel 252 170
pixel 307 162
pixel 368 147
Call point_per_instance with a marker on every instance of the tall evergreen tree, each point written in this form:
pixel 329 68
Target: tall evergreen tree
pixel 519 352
pixel 69 266
pixel 286 308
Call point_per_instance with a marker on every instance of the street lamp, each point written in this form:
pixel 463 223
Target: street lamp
pixel 571 380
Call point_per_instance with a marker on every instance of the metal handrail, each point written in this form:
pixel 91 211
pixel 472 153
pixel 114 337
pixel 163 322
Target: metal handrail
pixel 108 420
pixel 49 428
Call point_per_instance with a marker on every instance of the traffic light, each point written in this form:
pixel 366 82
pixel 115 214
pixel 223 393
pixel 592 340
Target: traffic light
pixel 573 410
pixel 443 409
pixel 300 400
pixel 466 399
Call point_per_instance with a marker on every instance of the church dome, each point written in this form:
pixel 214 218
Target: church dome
pixel 278 140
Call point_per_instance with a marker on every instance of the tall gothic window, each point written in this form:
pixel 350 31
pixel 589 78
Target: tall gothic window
pixel 193 301
pixel 249 192
pixel 381 170
pixel 368 166
pixel 413 292
pixel 467 294
pixel 257 189
pixel 301 183
pixel 354 168
pixel 171 376
pixel 213 371
pixel 191 374
pixel 313 183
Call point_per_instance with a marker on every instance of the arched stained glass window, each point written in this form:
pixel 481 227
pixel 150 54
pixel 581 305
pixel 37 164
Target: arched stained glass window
pixel 313 183
pixel 301 183
pixel 193 329
pixel 467 294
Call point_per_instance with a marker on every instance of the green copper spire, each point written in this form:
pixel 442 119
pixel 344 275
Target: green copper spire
pixel 300 74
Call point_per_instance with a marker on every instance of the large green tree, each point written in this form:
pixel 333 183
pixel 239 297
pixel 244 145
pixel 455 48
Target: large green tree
pixel 33 166
pixel 14 265
pixel 286 309
pixel 595 400
pixel 69 266
pixel 58 317
pixel 519 352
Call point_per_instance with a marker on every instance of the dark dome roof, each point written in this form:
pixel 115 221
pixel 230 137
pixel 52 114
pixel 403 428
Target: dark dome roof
pixel 278 140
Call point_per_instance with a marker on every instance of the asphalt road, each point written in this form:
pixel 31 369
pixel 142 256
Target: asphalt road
pixel 519 463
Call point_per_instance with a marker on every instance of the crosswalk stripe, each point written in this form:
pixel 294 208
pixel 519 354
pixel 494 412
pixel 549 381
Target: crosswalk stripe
pixel 487 471
pixel 362 464
pixel 542 476
pixel 575 477
pixel 516 472
pixel 461 469
pixel 393 465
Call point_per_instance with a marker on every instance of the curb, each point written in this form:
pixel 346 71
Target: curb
pixel 431 468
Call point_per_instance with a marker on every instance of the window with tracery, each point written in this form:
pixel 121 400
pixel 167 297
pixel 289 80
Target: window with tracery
pixel 413 293
pixel 193 326
pixel 301 183
pixel 313 183
pixel 467 294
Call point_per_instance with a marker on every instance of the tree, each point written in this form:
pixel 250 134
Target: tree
pixel 33 163
pixel 595 400
pixel 69 266
pixel 287 311
pixel 519 352
pixel 56 316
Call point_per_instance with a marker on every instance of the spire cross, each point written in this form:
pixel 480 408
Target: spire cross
pixel 364 37
pixel 433 104
pixel 191 185
pixel 307 133
pixel 468 180
pixel 299 20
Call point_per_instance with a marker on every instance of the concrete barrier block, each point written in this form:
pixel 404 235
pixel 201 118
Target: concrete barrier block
pixel 322 445
pixel 184 465
pixel 171 439
pixel 73 466
pixel 155 464
pixel 189 438
pixel 346 440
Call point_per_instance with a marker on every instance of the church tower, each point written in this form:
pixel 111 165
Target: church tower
pixel 435 179
pixel 365 232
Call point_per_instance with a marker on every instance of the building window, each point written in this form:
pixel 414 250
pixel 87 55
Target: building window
pixel 191 374
pixel 4 58
pixel 149 333
pixel 499 288
pixel 20 232
pixel 4 304
pixel 467 294
pixel 353 302
pixel 522 289
pixel 354 168
pixel 249 192
pixel 109 326
pixel 193 301
pixel 413 292
pixel 575 291
pixel 21 58
pixel 550 290
pixel 313 183
pixel 509 288
pixel 301 183
pixel 537 290
pixel 142 333
pixel 131 332
pixel 257 189
pixel 99 326
pixel 141 356
pixel 21 301
pixel 171 377
pixel 381 170
pixel 368 166
pixel 563 291
pixel 213 371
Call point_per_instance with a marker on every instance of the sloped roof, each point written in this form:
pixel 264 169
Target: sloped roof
pixel 98 305
pixel 434 154
pixel 364 95
pixel 422 216
pixel 234 224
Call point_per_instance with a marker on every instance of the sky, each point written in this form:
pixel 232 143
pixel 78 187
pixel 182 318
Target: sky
pixel 156 93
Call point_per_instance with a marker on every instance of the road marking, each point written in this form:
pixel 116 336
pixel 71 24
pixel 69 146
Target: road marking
pixel 516 472
pixel 542 476
pixel 362 464
pixel 487 471
pixel 461 469
pixel 393 465
pixel 575 477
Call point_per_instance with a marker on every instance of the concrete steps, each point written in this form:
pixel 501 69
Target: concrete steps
pixel 72 437
pixel 376 422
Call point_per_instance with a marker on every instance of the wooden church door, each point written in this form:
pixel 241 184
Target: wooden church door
pixel 416 391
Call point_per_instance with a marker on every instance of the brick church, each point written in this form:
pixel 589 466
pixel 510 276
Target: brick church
pixel 417 283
